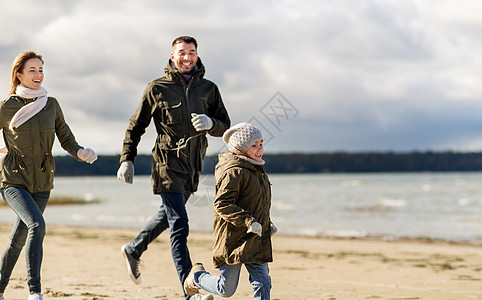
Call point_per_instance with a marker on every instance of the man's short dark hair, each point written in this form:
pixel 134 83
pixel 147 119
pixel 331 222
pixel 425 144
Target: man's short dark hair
pixel 185 39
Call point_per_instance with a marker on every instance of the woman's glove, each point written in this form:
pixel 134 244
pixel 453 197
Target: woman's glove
pixel 274 229
pixel 126 172
pixel 201 122
pixel 88 155
pixel 256 228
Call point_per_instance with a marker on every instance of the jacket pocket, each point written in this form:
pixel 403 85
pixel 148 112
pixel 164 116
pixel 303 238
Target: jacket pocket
pixel 169 173
pixel 47 164
pixel 47 169
pixel 171 113
pixel 177 164
pixel 14 168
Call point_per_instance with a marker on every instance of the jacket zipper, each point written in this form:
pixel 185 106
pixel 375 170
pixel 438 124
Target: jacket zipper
pixel 188 147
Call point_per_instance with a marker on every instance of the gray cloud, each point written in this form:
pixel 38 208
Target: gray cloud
pixel 364 75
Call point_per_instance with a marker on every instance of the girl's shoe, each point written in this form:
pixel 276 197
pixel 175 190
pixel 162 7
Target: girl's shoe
pixel 199 296
pixel 35 297
pixel 190 288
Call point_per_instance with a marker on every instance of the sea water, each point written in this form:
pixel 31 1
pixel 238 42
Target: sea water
pixel 387 205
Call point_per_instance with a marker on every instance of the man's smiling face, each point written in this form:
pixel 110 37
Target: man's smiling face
pixel 184 56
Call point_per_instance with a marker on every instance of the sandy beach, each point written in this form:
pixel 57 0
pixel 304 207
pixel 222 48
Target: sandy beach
pixel 86 263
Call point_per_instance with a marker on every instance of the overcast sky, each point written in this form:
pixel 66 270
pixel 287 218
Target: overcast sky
pixel 346 75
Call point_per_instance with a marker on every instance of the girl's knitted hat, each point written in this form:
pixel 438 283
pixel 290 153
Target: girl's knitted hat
pixel 241 136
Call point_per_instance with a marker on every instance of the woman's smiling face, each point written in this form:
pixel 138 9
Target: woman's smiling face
pixel 32 74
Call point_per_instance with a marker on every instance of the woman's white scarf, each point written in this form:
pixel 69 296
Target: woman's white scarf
pixel 31 109
pixel 26 112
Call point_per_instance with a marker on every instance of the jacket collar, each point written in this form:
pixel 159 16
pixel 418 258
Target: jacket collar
pixel 229 159
pixel 175 75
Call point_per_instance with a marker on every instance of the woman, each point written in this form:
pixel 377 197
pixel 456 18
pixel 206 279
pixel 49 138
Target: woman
pixel 30 120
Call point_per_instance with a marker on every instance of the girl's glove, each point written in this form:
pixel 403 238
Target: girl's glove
pixel 274 229
pixel 256 228
pixel 88 155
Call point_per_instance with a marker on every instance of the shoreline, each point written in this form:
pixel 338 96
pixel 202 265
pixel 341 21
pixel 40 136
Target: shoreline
pixel 82 262
pixel 385 238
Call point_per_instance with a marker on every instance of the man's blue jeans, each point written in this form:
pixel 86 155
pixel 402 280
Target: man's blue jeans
pixel 226 283
pixel 28 230
pixel 173 215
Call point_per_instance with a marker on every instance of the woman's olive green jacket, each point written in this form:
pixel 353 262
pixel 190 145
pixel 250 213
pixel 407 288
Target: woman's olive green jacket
pixel 29 162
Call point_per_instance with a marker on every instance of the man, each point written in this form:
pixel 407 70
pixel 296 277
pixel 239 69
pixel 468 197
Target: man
pixel 185 107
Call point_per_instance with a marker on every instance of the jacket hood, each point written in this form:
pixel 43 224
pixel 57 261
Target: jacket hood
pixel 174 73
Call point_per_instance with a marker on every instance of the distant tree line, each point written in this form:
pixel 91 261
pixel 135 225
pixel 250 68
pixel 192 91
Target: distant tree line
pixel 337 162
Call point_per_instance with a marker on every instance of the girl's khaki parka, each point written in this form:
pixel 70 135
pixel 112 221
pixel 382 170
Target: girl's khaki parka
pixel 243 196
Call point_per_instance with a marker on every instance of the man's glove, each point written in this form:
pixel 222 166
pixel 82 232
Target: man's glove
pixel 256 228
pixel 201 122
pixel 274 229
pixel 88 155
pixel 126 172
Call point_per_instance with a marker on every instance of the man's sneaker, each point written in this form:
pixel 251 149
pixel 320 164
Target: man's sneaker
pixel 133 266
pixel 199 296
pixel 35 297
pixel 190 288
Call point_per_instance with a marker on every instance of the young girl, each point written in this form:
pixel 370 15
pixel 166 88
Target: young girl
pixel 30 120
pixel 242 224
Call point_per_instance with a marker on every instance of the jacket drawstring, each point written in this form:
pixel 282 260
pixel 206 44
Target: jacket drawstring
pixel 182 143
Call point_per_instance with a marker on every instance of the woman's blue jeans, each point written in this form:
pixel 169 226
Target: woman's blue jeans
pixel 226 283
pixel 29 231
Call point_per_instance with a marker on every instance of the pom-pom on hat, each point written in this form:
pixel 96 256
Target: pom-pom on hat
pixel 241 136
